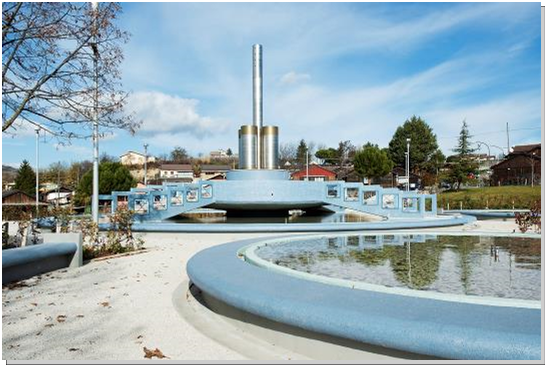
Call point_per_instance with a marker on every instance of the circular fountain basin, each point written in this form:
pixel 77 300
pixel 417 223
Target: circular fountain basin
pixel 381 225
pixel 415 321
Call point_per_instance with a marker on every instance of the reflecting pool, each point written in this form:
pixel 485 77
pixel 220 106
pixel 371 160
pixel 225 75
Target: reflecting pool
pixel 506 267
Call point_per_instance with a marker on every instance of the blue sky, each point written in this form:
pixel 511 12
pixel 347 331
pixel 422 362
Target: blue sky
pixel 332 72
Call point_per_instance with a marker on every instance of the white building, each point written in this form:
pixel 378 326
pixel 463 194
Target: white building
pixel 132 158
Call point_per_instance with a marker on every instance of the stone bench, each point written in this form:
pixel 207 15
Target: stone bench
pixel 58 251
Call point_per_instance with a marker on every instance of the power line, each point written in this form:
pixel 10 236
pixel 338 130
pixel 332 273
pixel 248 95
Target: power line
pixel 492 132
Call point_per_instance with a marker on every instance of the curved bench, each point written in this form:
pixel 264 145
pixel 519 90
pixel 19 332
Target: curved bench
pixel 444 329
pixel 25 262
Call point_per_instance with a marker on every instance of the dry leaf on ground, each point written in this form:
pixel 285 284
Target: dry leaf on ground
pixel 148 353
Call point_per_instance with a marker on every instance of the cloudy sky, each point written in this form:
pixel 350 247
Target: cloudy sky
pixel 332 72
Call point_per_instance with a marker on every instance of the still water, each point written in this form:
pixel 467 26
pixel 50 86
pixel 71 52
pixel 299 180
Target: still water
pixel 472 265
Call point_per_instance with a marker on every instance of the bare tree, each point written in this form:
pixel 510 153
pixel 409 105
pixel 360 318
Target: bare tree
pixel 287 153
pixel 48 76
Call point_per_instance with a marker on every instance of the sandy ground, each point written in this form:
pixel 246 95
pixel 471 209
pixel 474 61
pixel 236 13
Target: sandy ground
pixel 111 309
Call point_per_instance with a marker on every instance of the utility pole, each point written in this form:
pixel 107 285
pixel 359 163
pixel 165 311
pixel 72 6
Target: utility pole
pixel 307 165
pixel 95 197
pixel 533 164
pixel 37 171
pixel 407 164
pixel 145 163
pixel 507 131
pixel 58 184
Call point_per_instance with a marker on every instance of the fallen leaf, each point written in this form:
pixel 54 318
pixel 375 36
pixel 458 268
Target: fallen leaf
pixel 79 315
pixel 73 349
pixel 49 325
pixel 139 337
pixel 34 304
pixel 148 353
pixel 104 304
pixel 61 318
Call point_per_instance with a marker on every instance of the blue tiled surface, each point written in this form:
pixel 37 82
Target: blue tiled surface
pixel 443 329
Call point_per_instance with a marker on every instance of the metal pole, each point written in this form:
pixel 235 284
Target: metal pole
pixel 58 184
pixel 533 164
pixel 257 100
pixel 307 166
pixel 145 163
pixel 95 197
pixel 507 131
pixel 407 164
pixel 37 171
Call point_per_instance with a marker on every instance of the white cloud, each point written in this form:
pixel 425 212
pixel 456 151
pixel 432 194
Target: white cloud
pixel 162 114
pixel 75 150
pixel 293 77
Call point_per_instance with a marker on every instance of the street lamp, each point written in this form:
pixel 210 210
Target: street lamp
pixel 145 163
pixel 479 143
pixel 37 171
pixel 533 161
pixel 95 197
pixel 307 165
pixel 500 148
pixel 407 164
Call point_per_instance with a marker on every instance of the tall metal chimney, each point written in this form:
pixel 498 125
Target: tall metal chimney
pixel 257 98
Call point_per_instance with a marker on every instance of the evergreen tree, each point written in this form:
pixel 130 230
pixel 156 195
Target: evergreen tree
pixel 329 155
pixel 301 153
pixel 113 176
pixel 372 162
pixel 464 166
pixel 229 152
pixel 423 144
pixel 26 179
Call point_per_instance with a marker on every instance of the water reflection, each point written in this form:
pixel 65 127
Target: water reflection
pixel 473 265
pixel 277 217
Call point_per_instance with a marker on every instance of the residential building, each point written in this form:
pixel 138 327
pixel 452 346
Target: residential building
pixel 174 172
pixel 521 167
pixel 132 158
pixel 218 154
pixel 213 171
pixel 61 196
pixel 314 173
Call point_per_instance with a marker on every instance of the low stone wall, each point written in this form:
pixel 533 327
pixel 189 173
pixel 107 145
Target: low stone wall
pixel 58 251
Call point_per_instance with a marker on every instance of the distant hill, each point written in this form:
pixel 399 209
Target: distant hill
pixel 8 169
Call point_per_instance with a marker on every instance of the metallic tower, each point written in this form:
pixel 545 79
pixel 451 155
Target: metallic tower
pixel 257 99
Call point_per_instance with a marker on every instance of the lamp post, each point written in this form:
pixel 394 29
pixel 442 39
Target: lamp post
pixel 307 165
pixel 407 164
pixel 479 143
pixel 37 171
pixel 145 163
pixel 533 160
pixel 95 197
pixel 500 148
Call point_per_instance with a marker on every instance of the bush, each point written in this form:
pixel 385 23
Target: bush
pixel 531 219
pixel 119 238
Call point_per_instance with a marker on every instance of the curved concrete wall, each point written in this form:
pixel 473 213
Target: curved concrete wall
pixel 25 262
pixel 417 325
pixel 267 190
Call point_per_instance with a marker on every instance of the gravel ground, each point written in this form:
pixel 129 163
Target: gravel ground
pixel 111 309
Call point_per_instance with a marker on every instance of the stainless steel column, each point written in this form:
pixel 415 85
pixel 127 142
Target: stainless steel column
pixel 270 147
pixel 248 142
pixel 257 98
